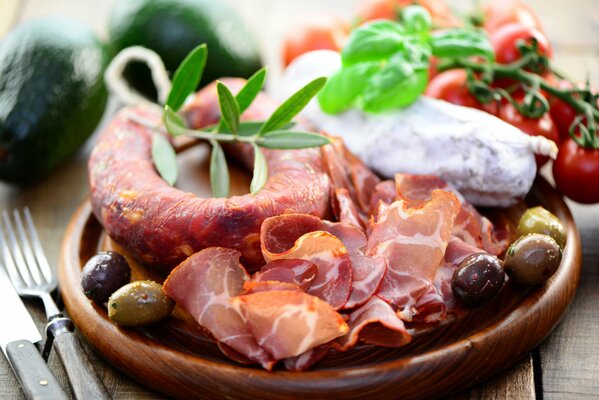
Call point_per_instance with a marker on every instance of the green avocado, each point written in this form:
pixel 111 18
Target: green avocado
pixel 52 95
pixel 172 28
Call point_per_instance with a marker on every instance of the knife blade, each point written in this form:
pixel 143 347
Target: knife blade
pixel 17 335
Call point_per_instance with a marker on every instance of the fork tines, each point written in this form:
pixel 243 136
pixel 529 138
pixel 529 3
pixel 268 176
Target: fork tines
pixel 22 253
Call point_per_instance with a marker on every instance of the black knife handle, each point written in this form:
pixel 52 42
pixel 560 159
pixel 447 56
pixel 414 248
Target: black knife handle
pixel 37 381
pixel 86 384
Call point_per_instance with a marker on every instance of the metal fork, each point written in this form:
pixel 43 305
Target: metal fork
pixel 32 276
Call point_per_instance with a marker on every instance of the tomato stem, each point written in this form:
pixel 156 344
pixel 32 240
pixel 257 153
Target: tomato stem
pixel 588 136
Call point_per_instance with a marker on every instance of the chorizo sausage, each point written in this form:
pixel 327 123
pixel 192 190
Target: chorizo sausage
pixel 162 225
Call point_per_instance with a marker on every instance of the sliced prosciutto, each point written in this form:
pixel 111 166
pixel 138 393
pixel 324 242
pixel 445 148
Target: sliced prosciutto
pixel 470 226
pixel 345 209
pixel 308 358
pixel 457 251
pixel 376 323
pixel 413 241
pixel 203 284
pixel 295 271
pixel 333 279
pixel 367 271
pixel 250 287
pixel 289 323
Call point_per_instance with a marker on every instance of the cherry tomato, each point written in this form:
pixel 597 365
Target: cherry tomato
pixel 576 172
pixel 368 10
pixel 324 32
pixel 535 127
pixel 498 13
pixel 562 113
pixel 451 86
pixel 504 42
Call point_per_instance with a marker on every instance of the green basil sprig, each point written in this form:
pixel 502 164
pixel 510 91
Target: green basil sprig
pixel 385 63
pixel 274 133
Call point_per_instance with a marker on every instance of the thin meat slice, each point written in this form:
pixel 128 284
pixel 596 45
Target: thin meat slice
pixel 289 323
pixel 363 179
pixel 203 284
pixel 368 273
pixel 470 225
pixel 308 358
pixel 413 241
pixel 333 279
pixel 376 323
pixel 345 209
pixel 250 287
pixel 279 233
pixel 295 271
pixel 384 193
pixel 416 237
pixel 457 251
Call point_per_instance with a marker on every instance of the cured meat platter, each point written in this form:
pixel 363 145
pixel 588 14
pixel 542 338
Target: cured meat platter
pixel 177 358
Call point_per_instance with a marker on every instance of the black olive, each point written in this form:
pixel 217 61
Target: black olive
pixel 533 258
pixel 477 279
pixel 103 274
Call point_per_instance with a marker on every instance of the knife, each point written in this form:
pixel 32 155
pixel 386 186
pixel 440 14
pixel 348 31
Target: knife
pixel 17 335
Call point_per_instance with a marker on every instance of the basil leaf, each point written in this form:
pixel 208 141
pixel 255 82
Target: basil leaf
pixel 174 123
pixel 250 90
pixel 260 171
pixel 229 109
pixel 397 85
pixel 219 171
pixel 461 42
pixel 187 77
pixel 292 140
pixel 416 19
pixel 374 41
pixel 345 86
pixel 292 106
pixel 164 158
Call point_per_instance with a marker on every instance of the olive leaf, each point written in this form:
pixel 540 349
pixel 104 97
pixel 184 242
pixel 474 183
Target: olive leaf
pixel 250 90
pixel 164 158
pixel 219 171
pixel 228 107
pixel 260 171
pixel 292 106
pixel 174 123
pixel 283 139
pixel 187 77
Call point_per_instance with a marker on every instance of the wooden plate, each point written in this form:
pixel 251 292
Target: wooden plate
pixel 176 359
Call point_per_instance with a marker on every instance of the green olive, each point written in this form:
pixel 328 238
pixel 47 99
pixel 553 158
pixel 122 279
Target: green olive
pixel 539 220
pixel 139 303
pixel 532 259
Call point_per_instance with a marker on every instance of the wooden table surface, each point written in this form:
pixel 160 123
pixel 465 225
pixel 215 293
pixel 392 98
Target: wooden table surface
pixel 566 365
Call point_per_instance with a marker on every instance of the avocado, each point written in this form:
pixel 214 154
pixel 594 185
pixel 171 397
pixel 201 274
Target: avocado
pixel 52 95
pixel 172 28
